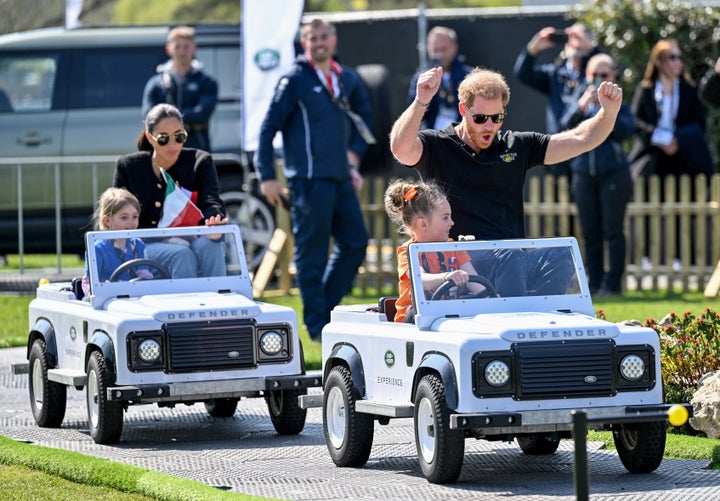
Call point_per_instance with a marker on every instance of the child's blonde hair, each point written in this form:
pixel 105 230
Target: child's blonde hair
pixel 405 201
pixel 111 201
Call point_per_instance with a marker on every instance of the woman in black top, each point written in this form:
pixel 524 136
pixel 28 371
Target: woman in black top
pixel 162 160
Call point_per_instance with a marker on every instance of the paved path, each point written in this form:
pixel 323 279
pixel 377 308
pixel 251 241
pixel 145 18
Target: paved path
pixel 244 454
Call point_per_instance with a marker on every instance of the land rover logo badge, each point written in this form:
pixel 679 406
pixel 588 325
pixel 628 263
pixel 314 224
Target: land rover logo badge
pixel 590 379
pixel 389 358
pixel 267 59
pixel 73 333
pixel 233 354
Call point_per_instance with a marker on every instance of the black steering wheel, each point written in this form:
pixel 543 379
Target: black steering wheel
pixel 445 287
pixel 162 272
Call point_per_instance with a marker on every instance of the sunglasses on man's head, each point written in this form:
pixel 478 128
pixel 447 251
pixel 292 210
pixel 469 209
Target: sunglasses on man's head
pixel 163 139
pixel 481 118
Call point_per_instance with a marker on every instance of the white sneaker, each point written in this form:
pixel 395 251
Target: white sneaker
pixel 645 264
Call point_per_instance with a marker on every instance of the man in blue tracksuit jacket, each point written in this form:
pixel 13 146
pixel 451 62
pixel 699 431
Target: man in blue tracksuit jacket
pixel 322 151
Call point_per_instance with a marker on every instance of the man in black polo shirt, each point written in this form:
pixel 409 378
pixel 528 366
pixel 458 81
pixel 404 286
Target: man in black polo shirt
pixel 483 168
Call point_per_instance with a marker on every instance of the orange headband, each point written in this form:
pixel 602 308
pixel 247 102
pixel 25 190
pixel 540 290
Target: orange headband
pixel 409 195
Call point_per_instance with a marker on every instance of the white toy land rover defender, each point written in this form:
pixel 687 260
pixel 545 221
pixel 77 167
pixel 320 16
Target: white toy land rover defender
pixel 157 339
pixel 494 365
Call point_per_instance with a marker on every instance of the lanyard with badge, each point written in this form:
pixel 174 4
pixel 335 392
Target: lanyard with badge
pixel 342 102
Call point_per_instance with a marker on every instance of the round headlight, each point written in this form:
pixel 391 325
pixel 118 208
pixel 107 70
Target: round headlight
pixel 149 351
pixel 497 373
pixel 271 343
pixel 632 367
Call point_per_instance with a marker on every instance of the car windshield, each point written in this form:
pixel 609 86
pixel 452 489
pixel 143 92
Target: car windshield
pixel 502 275
pixel 502 272
pixel 138 262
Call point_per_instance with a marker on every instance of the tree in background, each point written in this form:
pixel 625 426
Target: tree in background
pixel 22 15
pixel 177 11
pixel 629 28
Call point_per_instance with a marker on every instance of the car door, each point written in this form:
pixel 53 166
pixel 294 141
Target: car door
pixel 32 114
pixel 33 109
pixel 389 381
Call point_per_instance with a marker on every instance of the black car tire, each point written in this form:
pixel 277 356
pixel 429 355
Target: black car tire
pixel 48 399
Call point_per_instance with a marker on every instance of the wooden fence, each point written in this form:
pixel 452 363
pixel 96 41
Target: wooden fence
pixel 682 224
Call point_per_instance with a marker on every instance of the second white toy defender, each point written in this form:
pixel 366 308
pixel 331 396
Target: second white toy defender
pixel 490 366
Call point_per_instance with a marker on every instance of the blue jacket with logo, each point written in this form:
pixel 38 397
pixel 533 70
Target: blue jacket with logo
pixel 316 132
pixel 195 95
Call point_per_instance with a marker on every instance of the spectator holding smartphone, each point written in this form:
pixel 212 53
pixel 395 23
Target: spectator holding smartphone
pixel 557 80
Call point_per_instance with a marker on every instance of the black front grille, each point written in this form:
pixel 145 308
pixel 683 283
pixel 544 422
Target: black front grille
pixel 565 370
pixel 216 345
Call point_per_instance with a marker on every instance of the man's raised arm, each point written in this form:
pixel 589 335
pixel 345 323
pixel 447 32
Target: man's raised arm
pixel 404 142
pixel 589 133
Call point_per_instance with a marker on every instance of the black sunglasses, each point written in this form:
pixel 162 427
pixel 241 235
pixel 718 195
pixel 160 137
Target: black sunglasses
pixel 163 139
pixel 674 57
pixel 601 76
pixel 481 118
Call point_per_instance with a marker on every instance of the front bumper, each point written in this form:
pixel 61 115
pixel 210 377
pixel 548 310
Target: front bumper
pixel 204 390
pixel 552 420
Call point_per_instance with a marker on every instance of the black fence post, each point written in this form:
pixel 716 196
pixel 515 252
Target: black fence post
pixel 582 481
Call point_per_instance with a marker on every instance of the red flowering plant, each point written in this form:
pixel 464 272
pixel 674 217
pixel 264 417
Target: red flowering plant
pixel 690 349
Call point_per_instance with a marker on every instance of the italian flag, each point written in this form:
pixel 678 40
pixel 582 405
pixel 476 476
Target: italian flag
pixel 178 208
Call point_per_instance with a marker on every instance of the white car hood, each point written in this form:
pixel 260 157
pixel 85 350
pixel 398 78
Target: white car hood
pixel 531 326
pixel 187 307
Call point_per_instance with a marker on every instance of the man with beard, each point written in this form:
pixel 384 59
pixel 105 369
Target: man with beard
pixel 323 111
pixel 483 169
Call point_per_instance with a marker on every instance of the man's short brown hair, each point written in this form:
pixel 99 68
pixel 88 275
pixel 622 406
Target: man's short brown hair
pixel 314 24
pixel 488 84
pixel 186 32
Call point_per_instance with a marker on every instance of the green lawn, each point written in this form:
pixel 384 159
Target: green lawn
pixel 34 472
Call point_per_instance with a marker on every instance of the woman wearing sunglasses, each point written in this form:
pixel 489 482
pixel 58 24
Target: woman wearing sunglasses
pixel 670 118
pixel 161 159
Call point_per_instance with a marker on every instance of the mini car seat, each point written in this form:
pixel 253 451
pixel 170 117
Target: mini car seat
pixel 387 305
pixel 77 288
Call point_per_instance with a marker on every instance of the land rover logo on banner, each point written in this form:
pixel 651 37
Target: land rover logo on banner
pixel 389 358
pixel 267 59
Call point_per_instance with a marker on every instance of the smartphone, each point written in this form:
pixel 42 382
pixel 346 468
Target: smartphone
pixel 558 37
